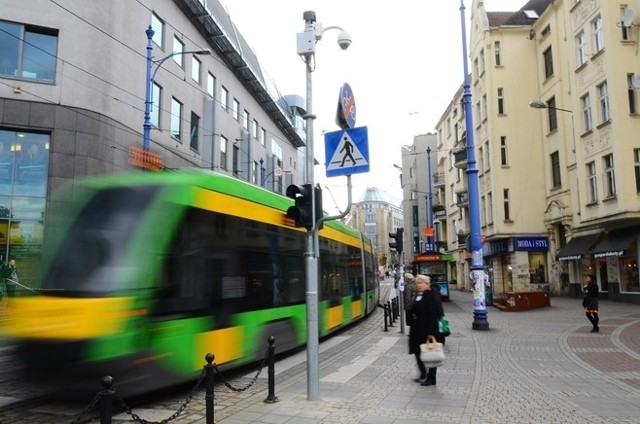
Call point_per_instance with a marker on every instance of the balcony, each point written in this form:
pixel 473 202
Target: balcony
pixel 460 158
pixel 438 180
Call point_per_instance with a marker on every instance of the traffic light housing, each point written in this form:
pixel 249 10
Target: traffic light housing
pixel 398 243
pixel 301 213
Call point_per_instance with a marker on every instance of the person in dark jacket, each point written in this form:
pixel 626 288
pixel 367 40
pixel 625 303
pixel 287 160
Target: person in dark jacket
pixel 590 302
pixel 426 311
pixel 409 294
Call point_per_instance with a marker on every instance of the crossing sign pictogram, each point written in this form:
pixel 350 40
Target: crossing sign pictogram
pixel 346 152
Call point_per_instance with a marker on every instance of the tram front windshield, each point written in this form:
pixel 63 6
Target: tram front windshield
pixel 95 246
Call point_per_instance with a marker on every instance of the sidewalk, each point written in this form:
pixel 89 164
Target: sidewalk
pixel 536 366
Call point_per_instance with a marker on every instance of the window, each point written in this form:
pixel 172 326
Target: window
pixel 195 124
pixel 262 136
pixel 483 211
pixel 414 215
pixel 631 95
pixel 254 129
pixel 501 101
pixel 223 152
pixel 176 119
pixel 504 153
pixel 211 85
pixel 484 112
pixel 195 69
pixel 487 158
pixel 598 35
pixel 581 48
pixel 178 47
pixel 235 110
pixel 497 52
pixel 548 63
pixel 245 120
pixel 636 165
pixel 481 61
pixel 603 91
pixel 156 105
pixel 224 98
pixel 489 208
pixel 505 203
pixel 609 176
pixel 626 31
pixel 254 172
pixel 592 183
pixel 556 180
pixel 480 159
pixel 28 52
pixel 157 25
pixel 586 112
pixel 552 115
pixel 236 160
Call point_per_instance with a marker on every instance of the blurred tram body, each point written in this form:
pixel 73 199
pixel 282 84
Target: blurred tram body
pixel 144 274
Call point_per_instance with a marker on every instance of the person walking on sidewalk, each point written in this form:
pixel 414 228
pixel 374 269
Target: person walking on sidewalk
pixel 426 311
pixel 590 302
pixel 409 294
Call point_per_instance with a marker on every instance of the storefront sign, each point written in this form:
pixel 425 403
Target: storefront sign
pixel 531 244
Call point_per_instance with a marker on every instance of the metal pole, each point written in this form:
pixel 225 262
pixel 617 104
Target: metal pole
pixel 146 135
pixel 311 260
pixel 478 275
pixel 430 202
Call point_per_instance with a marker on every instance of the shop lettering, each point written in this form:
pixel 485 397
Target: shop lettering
pixel 532 244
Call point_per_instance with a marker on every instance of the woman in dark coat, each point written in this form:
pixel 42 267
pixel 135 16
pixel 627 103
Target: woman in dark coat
pixel 590 302
pixel 426 311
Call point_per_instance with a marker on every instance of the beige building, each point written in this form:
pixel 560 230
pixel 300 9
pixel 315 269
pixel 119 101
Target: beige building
pixel 552 203
pixel 377 214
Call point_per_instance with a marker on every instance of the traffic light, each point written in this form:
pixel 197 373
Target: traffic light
pixel 301 213
pixel 398 236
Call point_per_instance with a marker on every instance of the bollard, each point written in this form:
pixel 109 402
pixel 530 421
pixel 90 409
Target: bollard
pixel 397 307
pixel 106 400
pixel 209 375
pixel 390 314
pixel 385 317
pixel 271 397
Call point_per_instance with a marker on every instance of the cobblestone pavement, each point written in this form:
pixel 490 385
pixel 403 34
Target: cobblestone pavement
pixel 537 366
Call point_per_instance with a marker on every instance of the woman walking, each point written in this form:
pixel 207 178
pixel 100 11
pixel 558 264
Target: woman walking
pixel 426 311
pixel 590 302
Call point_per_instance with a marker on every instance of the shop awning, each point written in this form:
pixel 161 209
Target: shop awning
pixel 614 244
pixel 577 247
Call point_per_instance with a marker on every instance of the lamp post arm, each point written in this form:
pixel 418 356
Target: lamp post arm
pixel 559 108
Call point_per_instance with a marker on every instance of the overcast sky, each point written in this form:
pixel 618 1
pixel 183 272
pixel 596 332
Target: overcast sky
pixel 404 66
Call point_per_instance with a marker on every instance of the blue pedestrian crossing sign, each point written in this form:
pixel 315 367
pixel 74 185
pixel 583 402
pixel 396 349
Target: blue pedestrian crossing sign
pixel 346 152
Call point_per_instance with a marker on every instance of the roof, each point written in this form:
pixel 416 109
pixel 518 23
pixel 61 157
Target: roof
pixel 375 194
pixel 519 17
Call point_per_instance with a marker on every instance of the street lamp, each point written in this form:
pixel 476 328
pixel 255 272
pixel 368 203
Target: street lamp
pixel 306 46
pixel 430 240
pixel 151 75
pixel 478 275
pixel 537 104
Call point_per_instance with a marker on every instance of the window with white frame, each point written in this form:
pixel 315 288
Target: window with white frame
pixel 626 31
pixel 157 25
pixel 156 105
pixel 178 48
pixel 592 183
pixel 489 208
pixel 636 168
pixel 211 85
pixel 631 95
pixel 254 129
pixel 504 152
pixel 235 110
pixel 224 98
pixel 497 50
pixel 176 119
pixel 501 101
pixel 506 204
pixel 547 55
pixel 556 179
pixel 262 136
pixel 481 61
pixel 603 92
pixel 245 120
pixel 28 52
pixel 487 157
pixel 581 48
pixel 552 115
pixel 196 66
pixel 223 152
pixel 609 176
pixel 484 107
pixel 587 120
pixel 598 34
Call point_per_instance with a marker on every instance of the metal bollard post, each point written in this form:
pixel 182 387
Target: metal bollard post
pixel 390 314
pixel 271 397
pixel 385 317
pixel 397 307
pixel 209 376
pixel 106 400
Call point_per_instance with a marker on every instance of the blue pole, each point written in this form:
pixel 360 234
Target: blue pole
pixel 430 203
pixel 146 135
pixel 478 275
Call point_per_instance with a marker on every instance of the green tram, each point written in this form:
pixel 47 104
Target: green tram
pixel 143 274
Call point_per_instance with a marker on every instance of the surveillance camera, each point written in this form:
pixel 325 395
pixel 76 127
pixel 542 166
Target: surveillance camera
pixel 344 40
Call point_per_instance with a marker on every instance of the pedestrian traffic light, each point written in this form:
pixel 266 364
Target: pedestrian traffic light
pixel 301 213
pixel 398 236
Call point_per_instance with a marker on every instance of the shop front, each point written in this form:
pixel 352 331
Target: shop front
pixel 615 265
pixel 574 263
